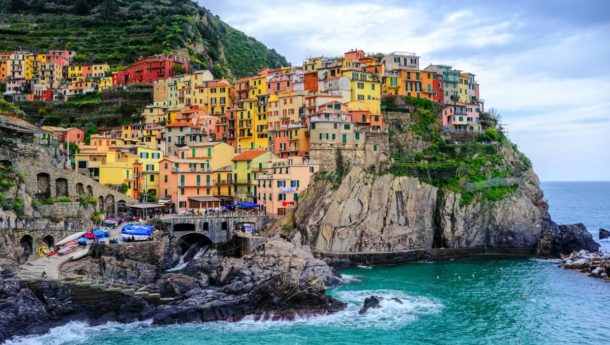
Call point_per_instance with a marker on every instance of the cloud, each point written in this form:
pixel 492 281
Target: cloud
pixel 545 67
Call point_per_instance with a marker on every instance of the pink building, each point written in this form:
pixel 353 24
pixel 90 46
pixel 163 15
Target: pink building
pixel 463 118
pixel 59 57
pixel 73 135
pixel 278 189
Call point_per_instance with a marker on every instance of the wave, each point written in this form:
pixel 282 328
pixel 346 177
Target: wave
pixel 392 314
pixel 554 261
pixel 348 278
pixel 75 332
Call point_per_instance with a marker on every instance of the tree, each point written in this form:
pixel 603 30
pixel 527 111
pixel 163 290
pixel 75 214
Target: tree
pixel 91 129
pixel 340 165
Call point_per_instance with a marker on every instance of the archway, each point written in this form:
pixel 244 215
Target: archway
pixel 80 189
pixel 109 205
pixel 189 240
pixel 224 226
pixel 61 187
pixel 89 190
pixel 43 182
pixel 27 243
pixel 121 206
pixel 206 226
pixel 46 245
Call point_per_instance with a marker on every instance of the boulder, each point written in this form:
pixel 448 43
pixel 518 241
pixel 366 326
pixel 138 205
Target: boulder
pixel 603 234
pixel 564 239
pixel 370 302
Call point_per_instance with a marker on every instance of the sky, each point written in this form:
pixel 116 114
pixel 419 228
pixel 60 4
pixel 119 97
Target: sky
pixel 544 65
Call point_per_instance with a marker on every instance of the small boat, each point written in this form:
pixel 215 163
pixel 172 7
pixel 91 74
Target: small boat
pixel 51 253
pixel 112 222
pixel 72 237
pixel 80 254
pixel 134 237
pixel 136 232
pixel 68 249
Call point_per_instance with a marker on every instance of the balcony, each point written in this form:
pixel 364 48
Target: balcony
pixel 192 170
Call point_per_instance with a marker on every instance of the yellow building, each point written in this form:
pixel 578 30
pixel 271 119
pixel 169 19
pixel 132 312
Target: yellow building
pixel 366 88
pixel 104 83
pixel 146 172
pixel 246 166
pixel 244 124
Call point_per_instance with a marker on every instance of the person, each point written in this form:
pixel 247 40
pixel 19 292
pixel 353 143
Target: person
pixel 44 275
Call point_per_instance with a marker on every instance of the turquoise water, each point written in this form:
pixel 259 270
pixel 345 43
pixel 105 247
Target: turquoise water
pixel 500 301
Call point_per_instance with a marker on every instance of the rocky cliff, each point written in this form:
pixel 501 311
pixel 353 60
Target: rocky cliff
pixel 440 193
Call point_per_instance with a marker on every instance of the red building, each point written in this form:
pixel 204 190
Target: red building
pixel 147 70
pixel 437 88
pixel 310 81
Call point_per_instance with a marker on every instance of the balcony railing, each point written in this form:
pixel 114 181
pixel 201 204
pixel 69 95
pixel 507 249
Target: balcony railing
pixel 192 170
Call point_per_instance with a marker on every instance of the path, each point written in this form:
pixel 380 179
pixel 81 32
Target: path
pixel 50 265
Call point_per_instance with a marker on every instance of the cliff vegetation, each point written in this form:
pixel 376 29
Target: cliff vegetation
pixel 120 31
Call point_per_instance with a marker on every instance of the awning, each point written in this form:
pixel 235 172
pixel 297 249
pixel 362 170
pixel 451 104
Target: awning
pixel 145 206
pixel 204 199
pixel 246 204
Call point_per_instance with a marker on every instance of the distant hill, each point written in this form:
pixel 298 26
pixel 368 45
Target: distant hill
pixel 119 31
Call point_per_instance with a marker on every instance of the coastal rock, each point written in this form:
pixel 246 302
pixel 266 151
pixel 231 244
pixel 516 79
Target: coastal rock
pixel 171 285
pixel 385 213
pixel 603 234
pixel 370 302
pixel 564 239
pixel 596 264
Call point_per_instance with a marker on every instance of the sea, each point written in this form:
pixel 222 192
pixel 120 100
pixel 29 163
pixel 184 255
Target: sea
pixel 475 301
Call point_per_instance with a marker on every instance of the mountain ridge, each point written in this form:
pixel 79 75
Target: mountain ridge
pixel 120 31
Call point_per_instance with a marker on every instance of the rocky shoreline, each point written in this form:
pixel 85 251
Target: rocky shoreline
pixel 595 264
pixel 280 280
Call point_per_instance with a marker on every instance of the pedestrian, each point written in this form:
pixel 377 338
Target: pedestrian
pixel 44 275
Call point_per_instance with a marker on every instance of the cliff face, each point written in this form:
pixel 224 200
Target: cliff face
pixel 371 213
pixel 439 192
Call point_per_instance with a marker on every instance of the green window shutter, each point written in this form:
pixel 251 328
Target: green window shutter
pixel 192 152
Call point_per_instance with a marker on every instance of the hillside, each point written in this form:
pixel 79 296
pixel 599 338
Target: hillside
pixel 119 31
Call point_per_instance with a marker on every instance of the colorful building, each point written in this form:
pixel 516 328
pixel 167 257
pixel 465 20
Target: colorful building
pixel 279 187
pixel 147 70
pixel 246 166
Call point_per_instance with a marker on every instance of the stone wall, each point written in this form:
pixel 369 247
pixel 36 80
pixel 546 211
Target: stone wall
pixel 375 153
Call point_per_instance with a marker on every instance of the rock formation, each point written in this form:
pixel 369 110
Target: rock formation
pixel 603 234
pixel 279 280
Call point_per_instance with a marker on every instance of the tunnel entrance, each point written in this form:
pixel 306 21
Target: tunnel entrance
pixel 193 239
pixel 184 227
pixel 27 243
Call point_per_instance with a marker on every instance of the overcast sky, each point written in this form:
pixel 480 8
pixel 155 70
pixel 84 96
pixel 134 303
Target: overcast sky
pixel 545 65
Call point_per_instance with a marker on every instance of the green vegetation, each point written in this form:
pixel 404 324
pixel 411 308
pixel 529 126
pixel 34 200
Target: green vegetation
pixel 102 110
pixel 120 31
pixel 87 200
pixel 8 179
pixel 96 217
pixel 123 188
pixel 474 168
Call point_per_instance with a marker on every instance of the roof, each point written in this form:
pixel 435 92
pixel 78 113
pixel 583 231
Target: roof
pixel 222 82
pixel 145 205
pixel 248 155
pixel 180 124
pixel 204 198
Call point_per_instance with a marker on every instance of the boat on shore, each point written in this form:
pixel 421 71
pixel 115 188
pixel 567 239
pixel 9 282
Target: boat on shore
pixel 72 237
pixel 79 254
pixel 136 232
pixel 67 249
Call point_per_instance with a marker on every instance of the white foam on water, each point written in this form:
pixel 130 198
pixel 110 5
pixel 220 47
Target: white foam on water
pixel 182 263
pixel 75 332
pixel 554 261
pixel 364 267
pixel 348 278
pixel 390 315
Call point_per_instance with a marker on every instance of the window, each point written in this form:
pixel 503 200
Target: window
pixel 311 170
pixel 361 85
pixel 152 178
pixel 357 135
pixel 344 138
pixel 165 180
pixel 361 97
